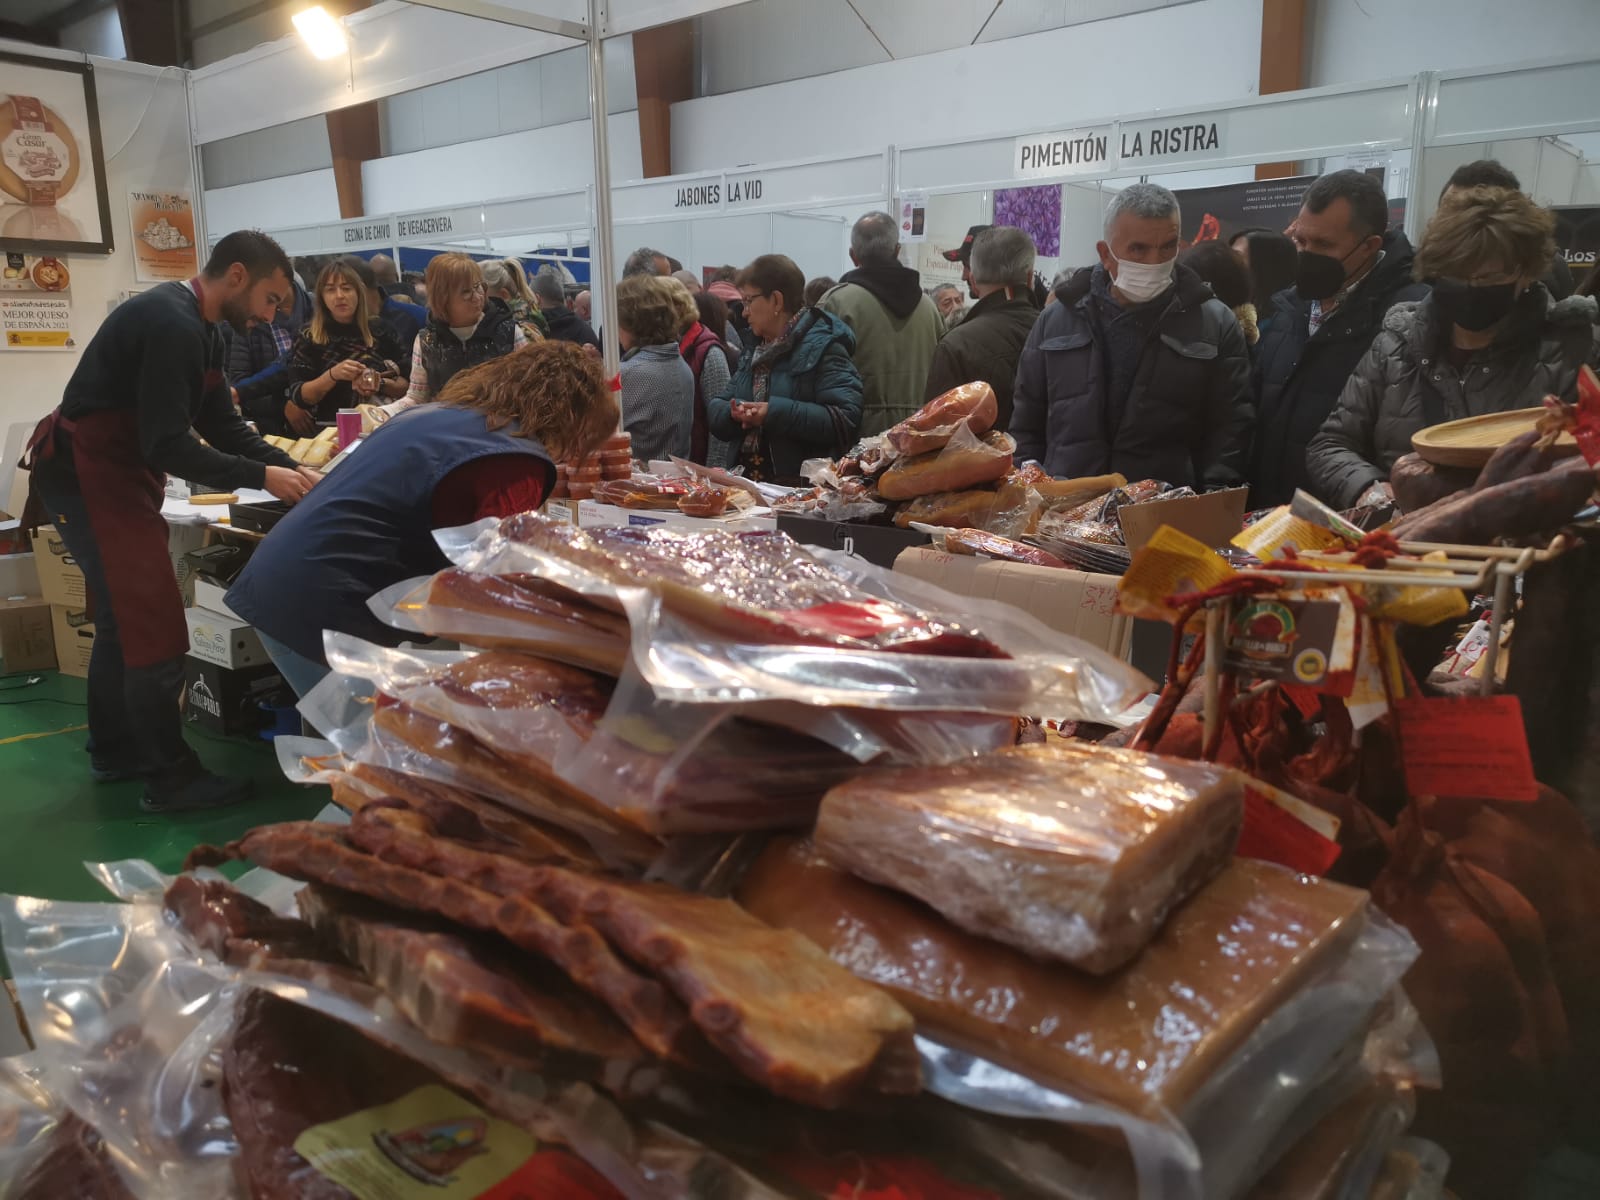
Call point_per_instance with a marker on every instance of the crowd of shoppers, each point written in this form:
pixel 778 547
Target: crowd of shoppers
pixel 1300 359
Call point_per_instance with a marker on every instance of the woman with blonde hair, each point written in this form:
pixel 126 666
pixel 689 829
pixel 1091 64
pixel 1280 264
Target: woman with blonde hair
pixel 486 448
pixel 466 326
pixel 506 280
pixel 657 385
pixel 1489 338
pixel 341 358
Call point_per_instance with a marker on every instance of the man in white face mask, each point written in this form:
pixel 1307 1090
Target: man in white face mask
pixel 1138 368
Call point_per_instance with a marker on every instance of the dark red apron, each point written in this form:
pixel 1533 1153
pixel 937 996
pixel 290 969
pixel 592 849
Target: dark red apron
pixel 123 496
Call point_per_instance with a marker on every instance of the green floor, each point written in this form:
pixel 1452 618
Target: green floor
pixel 53 818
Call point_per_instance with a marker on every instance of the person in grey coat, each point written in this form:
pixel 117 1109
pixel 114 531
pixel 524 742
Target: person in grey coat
pixel 1136 368
pixel 1488 339
pixel 657 385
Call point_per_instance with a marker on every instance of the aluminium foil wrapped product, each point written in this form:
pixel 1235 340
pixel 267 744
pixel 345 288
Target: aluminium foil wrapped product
pixel 1068 851
pixel 720 618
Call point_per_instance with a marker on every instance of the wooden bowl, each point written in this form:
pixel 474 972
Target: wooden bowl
pixel 1473 441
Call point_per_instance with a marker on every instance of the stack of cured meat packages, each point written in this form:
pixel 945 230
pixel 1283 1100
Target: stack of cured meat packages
pixel 710 867
pixel 945 470
pixel 1442 811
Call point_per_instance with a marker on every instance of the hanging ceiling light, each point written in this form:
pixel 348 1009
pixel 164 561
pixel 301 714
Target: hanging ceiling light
pixel 323 35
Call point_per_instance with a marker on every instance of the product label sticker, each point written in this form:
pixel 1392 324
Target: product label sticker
pixel 1171 564
pixel 1284 829
pixel 1294 638
pixel 433 1144
pixel 1281 529
pixel 1466 746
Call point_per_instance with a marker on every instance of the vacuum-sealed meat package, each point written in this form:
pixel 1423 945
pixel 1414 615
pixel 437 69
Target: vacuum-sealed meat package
pixel 724 617
pixel 1069 851
pixel 964 462
pixel 971 406
pixel 599 751
pixel 1148 1037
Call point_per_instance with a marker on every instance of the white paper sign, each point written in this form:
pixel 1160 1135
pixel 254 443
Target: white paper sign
pixel 1167 138
pixel 913 217
pixel 1069 152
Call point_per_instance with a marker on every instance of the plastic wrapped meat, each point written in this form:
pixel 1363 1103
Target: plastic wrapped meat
pixel 1067 851
pixel 503 612
pixel 932 426
pixel 1148 1036
pixel 759 587
pixel 552 721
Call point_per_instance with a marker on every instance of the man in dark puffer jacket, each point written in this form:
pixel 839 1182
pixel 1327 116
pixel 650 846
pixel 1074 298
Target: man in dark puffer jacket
pixel 1312 345
pixel 1137 368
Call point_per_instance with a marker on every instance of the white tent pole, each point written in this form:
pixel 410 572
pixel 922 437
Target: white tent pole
pixel 602 273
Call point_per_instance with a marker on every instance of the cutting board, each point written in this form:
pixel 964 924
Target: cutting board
pixel 1471 443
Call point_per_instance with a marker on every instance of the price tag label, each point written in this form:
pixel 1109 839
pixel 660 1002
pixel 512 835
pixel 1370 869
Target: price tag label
pixel 1466 746
pixel 1282 829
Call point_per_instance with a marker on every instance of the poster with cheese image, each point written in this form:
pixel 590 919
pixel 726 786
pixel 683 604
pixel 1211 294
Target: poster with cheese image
pixel 52 173
pixel 163 236
pixel 35 303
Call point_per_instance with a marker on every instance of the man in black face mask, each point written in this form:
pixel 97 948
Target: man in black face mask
pixel 1350 271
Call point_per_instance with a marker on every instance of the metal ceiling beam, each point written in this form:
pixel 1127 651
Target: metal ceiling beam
pixel 487 10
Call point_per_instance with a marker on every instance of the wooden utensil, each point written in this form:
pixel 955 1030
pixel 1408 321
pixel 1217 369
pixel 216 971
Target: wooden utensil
pixel 1471 442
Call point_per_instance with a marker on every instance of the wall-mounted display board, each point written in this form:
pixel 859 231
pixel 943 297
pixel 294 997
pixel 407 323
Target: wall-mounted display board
pixel 53 195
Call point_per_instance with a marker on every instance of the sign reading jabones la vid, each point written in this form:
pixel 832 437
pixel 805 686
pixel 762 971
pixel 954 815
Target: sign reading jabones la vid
pixel 1130 144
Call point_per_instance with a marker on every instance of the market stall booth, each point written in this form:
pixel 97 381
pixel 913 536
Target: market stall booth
pixel 1055 183
pixel 801 209
pixel 1539 120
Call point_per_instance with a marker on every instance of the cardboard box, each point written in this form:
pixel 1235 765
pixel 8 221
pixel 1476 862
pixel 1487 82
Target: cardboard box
pixel 60 580
pixel 27 638
pixel 74 636
pixel 18 575
pixel 223 639
pixel 226 700
pixel 880 545
pixel 211 596
pixel 1212 518
pixel 1071 602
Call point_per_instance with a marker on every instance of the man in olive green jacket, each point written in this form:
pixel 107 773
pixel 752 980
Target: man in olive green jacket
pixel 896 325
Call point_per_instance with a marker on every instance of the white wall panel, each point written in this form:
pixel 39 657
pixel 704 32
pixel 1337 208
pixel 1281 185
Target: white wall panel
pixel 144 113
pixel 273 203
pixel 1356 40
pixel 1050 79
pixel 554 158
pixel 99 33
pixel 291 149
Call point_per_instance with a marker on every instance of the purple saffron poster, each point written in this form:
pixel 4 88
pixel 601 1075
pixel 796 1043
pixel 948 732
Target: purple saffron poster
pixel 1034 210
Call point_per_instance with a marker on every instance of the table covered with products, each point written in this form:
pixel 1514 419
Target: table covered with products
pixel 711 864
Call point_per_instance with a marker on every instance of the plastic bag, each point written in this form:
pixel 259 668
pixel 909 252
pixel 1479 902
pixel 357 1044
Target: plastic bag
pixel 137 1022
pixel 966 461
pixel 687 655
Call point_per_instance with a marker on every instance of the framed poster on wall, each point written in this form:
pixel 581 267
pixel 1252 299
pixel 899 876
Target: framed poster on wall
pixel 53 196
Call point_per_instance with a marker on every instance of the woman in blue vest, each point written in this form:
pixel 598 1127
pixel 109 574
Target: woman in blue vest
pixel 486 448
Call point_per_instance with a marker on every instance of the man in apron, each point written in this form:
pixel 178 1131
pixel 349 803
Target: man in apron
pixel 146 385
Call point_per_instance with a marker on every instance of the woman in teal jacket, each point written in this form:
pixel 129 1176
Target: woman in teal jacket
pixel 798 394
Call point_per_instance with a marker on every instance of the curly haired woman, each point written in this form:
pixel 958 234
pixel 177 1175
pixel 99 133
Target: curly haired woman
pixel 486 448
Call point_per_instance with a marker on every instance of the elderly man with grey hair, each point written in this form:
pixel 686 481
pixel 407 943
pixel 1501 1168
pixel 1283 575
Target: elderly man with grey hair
pixel 986 345
pixel 1137 368
pixel 896 325
pixel 549 289
pixel 645 261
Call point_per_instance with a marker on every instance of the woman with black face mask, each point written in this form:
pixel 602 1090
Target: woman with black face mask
pixel 1488 339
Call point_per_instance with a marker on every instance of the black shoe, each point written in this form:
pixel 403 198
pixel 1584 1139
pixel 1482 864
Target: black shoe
pixel 197 792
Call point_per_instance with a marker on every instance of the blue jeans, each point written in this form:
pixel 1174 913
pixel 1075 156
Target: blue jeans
pixel 298 671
